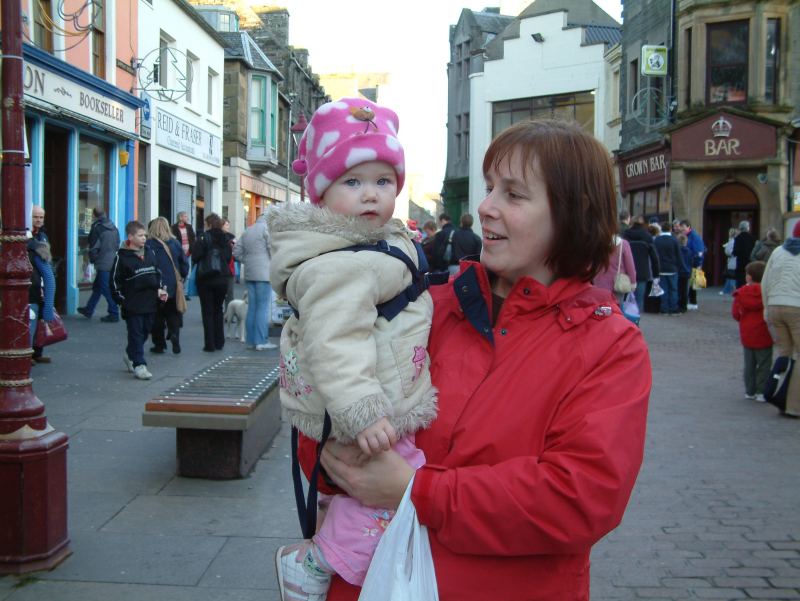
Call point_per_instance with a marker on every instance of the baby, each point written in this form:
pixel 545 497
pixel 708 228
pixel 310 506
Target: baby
pixel 353 349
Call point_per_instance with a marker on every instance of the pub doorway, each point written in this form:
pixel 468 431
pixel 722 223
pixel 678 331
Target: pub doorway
pixel 55 163
pixel 726 206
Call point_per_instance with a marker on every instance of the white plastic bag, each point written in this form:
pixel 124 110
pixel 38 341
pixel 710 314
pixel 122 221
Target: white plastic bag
pixel 656 290
pixel 402 567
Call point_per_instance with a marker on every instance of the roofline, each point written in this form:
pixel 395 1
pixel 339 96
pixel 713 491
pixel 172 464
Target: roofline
pixel 195 16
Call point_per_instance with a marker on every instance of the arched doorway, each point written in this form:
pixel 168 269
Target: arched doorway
pixel 726 206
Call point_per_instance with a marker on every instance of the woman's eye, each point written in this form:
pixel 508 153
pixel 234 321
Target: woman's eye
pixel 488 189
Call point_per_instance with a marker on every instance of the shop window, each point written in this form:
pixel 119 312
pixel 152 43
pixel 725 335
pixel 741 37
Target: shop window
pixel 772 61
pixel 727 62
pixel 651 202
pixel 258 99
pixel 637 204
pixel 99 38
pixel 92 192
pixel 43 24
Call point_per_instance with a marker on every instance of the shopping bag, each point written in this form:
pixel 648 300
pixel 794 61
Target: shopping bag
pixel 49 332
pixel 630 309
pixel 280 310
pixel 777 385
pixel 191 282
pixel 402 566
pixel 698 278
pixel 656 290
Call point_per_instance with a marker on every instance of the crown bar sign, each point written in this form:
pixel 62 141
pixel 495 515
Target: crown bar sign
pixel 654 60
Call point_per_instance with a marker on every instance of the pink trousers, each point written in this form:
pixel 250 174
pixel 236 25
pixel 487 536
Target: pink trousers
pixel 350 531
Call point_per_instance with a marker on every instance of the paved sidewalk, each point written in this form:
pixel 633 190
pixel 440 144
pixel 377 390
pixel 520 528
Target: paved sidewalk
pixel 715 513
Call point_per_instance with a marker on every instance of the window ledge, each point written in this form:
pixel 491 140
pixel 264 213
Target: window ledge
pixel 212 121
pixel 192 110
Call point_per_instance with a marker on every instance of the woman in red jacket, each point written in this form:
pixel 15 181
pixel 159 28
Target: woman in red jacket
pixel 543 386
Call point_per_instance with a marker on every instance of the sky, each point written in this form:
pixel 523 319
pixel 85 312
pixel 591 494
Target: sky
pixel 407 39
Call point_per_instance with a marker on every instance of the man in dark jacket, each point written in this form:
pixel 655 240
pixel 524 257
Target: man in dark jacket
pixel 645 258
pixel 743 245
pixel 465 242
pixel 443 244
pixel 103 246
pixel 137 287
pixel 669 260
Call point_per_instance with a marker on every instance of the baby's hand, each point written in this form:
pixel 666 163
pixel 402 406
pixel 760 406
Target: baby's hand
pixel 377 437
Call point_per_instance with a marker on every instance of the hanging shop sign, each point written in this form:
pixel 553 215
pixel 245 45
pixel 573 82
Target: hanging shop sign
pixel 181 136
pixel 654 61
pixel 724 137
pixel 45 87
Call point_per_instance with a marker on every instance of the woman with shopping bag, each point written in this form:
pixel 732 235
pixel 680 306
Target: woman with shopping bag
pixel 543 387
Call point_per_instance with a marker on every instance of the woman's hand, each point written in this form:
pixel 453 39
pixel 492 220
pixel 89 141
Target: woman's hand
pixel 377 481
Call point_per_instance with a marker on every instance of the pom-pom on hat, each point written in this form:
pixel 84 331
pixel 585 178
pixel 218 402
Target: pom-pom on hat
pixel 343 134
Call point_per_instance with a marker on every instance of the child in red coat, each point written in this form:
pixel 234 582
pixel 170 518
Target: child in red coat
pixel 748 310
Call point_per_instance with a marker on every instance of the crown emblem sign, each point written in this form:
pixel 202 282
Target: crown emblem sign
pixel 721 128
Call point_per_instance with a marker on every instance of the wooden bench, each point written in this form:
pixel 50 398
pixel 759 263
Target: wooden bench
pixel 225 416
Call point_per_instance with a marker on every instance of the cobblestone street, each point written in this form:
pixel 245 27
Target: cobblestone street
pixel 714 514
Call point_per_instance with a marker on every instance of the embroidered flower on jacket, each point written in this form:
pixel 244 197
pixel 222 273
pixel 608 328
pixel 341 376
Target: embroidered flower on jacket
pixel 420 354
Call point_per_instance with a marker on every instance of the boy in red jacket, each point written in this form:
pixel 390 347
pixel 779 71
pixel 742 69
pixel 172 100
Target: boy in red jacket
pixel 748 310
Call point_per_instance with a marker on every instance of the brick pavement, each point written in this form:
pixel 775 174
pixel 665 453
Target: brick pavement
pixel 716 510
pixel 714 514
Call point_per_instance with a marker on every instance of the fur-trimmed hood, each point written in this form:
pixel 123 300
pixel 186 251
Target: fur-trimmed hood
pixel 301 231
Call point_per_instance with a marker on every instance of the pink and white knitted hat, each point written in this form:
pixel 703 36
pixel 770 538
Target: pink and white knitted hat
pixel 343 134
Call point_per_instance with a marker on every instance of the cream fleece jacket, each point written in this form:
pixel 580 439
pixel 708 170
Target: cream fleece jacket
pixel 339 355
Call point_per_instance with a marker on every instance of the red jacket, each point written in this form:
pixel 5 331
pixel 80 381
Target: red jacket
pixel 538 440
pixel 748 310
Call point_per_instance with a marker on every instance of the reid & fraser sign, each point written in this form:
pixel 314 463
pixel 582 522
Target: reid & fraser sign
pixel 181 136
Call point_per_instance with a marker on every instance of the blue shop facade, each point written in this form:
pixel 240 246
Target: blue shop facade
pixel 81 136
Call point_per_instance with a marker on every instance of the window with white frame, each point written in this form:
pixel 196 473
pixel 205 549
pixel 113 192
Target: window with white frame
pixel 43 24
pixel 191 67
pixel 98 37
pixel 273 114
pixel 212 82
pixel 258 110
pixel 162 75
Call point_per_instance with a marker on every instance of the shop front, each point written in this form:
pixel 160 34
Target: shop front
pixel 644 181
pixel 80 134
pixel 257 195
pixel 727 169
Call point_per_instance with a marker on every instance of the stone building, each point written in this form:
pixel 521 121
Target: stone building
pixel 468 39
pixel 718 145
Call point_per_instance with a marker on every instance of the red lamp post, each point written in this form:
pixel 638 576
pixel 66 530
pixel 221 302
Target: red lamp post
pixel 33 457
pixel 297 132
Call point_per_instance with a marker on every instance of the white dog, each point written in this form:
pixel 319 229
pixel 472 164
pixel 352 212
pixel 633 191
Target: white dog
pixel 235 316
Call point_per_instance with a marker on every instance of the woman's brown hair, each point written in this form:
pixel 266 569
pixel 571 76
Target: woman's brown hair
pixel 213 221
pixel 578 175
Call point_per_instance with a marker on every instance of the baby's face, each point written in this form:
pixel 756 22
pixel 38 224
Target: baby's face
pixel 367 190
